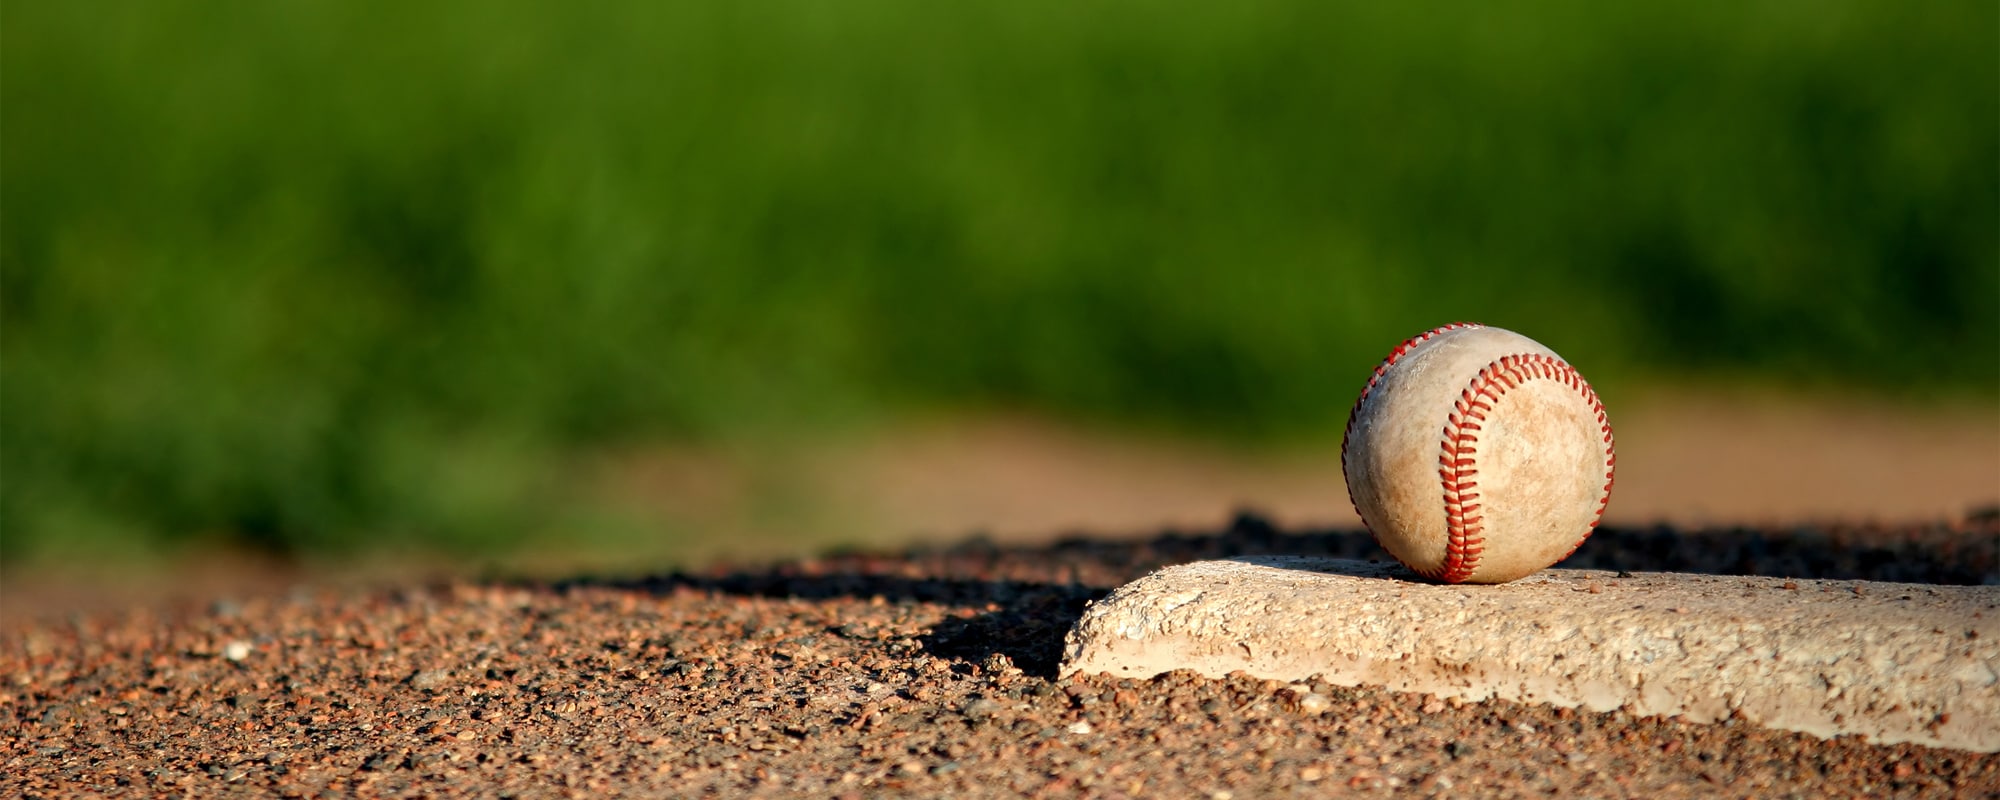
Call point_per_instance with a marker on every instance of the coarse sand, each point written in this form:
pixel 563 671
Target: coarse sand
pixel 928 673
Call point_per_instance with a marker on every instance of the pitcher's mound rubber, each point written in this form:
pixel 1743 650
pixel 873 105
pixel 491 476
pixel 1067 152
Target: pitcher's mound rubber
pixel 1892 662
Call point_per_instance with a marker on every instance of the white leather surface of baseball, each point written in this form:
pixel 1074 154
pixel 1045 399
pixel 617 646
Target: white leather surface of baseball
pixel 1477 455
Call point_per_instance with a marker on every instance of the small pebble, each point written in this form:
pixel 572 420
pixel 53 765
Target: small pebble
pixel 429 678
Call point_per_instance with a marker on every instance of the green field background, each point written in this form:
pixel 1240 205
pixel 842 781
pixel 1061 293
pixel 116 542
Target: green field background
pixel 319 275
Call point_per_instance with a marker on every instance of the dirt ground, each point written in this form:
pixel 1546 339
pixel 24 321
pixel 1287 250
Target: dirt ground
pixel 1688 458
pixel 928 672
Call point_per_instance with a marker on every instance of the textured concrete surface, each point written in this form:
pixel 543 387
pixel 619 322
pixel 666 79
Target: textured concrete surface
pixel 1891 662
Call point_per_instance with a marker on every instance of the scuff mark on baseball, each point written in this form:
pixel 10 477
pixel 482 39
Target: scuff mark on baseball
pixel 1477 455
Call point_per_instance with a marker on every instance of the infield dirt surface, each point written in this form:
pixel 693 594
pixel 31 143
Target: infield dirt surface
pixel 926 673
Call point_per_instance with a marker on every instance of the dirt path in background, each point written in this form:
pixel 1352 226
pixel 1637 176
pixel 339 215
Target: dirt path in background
pixel 1688 459
pixel 926 674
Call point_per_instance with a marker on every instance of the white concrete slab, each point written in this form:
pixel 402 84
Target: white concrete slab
pixel 1891 662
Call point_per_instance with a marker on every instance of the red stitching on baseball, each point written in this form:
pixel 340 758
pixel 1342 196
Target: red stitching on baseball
pixel 1369 391
pixel 1458 465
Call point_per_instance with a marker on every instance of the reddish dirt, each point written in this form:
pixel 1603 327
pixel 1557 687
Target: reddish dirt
pixel 921 674
pixel 1691 459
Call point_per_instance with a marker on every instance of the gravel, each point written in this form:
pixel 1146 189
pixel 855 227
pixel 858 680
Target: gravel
pixel 921 674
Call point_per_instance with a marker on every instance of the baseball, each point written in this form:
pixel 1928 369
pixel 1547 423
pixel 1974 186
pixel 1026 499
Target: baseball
pixel 1476 455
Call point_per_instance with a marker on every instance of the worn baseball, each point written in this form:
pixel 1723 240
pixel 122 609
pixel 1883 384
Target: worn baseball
pixel 1476 455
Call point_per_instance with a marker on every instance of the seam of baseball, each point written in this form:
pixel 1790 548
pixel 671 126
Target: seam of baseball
pixel 1347 435
pixel 1458 460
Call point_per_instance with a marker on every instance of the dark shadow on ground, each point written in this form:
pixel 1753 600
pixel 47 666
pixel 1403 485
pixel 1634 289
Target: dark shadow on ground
pixel 1028 597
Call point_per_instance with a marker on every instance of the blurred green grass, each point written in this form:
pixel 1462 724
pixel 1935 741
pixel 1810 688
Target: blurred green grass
pixel 324 276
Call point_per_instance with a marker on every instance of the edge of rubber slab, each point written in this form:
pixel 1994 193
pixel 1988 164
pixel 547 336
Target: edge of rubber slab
pixel 1890 662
